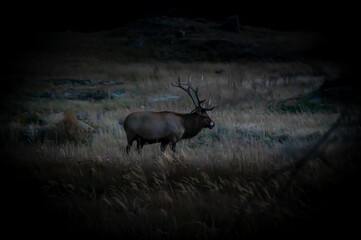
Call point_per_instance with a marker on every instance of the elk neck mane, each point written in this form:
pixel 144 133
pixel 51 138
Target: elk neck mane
pixel 191 124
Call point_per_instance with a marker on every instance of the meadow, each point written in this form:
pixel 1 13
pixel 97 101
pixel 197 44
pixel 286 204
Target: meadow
pixel 280 161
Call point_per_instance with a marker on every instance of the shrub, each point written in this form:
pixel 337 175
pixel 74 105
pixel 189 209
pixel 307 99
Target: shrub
pixel 67 130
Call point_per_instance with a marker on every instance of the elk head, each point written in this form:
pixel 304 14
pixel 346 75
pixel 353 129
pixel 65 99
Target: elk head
pixel 199 110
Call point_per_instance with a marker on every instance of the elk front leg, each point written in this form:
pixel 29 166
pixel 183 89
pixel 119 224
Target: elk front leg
pixel 173 146
pixel 174 139
pixel 163 145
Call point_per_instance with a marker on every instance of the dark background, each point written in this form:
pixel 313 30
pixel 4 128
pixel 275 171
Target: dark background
pixel 94 16
pixel 335 20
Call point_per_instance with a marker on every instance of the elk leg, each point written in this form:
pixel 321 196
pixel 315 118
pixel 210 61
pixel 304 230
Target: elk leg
pixel 130 138
pixel 163 145
pixel 129 146
pixel 174 141
pixel 173 146
pixel 140 144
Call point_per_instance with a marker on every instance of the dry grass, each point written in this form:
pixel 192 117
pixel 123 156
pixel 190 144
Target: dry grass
pixel 227 182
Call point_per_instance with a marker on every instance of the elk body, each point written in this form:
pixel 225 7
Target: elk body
pixel 167 127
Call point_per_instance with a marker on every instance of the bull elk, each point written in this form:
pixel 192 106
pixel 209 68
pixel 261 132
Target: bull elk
pixel 168 127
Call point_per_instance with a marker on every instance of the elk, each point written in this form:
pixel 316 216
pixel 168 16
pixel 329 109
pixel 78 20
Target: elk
pixel 168 127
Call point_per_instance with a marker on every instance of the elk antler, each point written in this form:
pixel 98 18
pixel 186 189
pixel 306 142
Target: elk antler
pixel 195 91
pixel 187 90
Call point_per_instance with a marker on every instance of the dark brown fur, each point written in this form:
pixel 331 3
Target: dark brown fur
pixel 164 127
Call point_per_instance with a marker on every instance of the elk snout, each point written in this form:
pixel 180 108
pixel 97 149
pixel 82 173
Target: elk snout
pixel 211 125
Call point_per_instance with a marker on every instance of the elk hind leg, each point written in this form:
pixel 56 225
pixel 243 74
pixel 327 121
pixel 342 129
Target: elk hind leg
pixel 130 142
pixel 140 144
pixel 128 147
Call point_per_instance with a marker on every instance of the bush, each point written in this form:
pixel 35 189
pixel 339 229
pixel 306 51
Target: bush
pixel 67 130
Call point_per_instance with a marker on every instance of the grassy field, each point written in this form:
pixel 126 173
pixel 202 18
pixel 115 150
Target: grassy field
pixel 277 163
